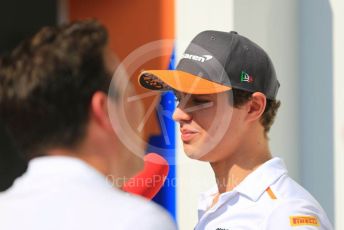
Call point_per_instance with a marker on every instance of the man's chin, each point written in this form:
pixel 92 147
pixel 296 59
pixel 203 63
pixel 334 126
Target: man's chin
pixel 194 153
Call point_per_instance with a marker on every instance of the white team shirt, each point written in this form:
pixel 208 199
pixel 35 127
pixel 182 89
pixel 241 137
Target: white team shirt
pixel 266 199
pixel 65 193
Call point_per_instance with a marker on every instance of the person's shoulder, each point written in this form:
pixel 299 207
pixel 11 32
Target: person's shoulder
pixel 294 212
pixel 133 210
pixel 288 189
pixel 295 207
pixel 152 216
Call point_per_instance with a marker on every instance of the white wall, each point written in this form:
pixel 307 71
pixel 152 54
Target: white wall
pixel 338 104
pixel 316 101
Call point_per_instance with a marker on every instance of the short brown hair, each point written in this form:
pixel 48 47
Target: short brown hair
pixel 240 97
pixel 47 82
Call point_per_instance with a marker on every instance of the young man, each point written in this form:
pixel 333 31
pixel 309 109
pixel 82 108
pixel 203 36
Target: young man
pixel 226 87
pixel 54 102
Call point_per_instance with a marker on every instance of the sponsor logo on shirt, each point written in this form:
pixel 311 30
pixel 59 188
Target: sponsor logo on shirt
pixel 304 220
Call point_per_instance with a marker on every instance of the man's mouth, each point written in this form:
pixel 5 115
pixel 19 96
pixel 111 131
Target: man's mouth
pixel 188 134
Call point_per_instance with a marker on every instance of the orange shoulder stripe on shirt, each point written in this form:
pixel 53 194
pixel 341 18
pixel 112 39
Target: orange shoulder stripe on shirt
pixel 271 193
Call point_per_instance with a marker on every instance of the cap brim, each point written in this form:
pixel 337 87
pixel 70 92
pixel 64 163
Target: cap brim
pixel 180 81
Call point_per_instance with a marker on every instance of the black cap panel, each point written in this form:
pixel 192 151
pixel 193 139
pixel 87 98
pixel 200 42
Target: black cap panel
pixel 231 60
pixel 249 67
pixel 204 63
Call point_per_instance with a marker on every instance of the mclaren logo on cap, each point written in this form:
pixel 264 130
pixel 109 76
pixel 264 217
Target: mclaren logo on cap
pixel 202 58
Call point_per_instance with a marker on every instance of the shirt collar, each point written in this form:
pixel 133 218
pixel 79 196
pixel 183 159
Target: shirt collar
pixel 255 184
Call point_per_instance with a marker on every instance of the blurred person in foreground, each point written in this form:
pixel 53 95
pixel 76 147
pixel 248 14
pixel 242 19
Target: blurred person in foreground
pixel 226 87
pixel 54 103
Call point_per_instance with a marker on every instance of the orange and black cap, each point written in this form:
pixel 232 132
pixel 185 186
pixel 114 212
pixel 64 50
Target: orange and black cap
pixel 215 62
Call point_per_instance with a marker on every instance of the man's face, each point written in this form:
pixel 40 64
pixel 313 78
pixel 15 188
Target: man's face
pixel 211 129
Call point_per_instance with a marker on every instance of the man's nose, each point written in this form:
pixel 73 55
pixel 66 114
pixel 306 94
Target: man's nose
pixel 180 115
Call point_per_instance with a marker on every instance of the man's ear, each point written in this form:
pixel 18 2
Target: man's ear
pixel 99 110
pixel 256 106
